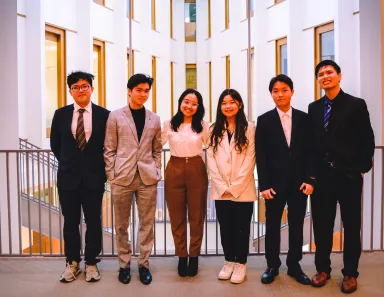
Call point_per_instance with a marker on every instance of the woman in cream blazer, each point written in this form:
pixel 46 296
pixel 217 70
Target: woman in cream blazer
pixel 231 162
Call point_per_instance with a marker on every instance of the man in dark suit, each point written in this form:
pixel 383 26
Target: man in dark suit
pixel 345 145
pixel 286 176
pixel 77 140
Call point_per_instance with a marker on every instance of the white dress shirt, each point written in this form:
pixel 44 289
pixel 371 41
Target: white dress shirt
pixel 87 117
pixel 286 122
pixel 185 142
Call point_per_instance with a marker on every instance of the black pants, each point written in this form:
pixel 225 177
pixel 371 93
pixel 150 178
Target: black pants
pixel 71 203
pixel 235 220
pixel 297 203
pixel 332 187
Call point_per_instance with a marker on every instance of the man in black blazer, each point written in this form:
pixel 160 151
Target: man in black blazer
pixel 284 162
pixel 345 144
pixel 77 140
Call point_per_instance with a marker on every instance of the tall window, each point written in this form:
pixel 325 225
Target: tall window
pixel 227 72
pixel 130 63
pixel 171 17
pixel 210 90
pixel 101 2
pixel 128 8
pixel 55 80
pixel 281 56
pixel 209 18
pixel 251 8
pixel 190 74
pixel 99 97
pixel 154 98
pixel 153 14
pixel 190 20
pixel 172 94
pixel 226 14
pixel 324 49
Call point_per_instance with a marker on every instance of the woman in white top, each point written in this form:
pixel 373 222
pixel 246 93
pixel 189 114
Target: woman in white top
pixel 186 180
pixel 231 161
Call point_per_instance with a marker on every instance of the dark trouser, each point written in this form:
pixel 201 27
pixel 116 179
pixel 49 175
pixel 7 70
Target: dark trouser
pixel 297 203
pixel 71 202
pixel 332 187
pixel 235 220
pixel 186 186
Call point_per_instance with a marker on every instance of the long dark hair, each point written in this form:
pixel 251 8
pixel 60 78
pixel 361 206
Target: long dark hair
pixel 241 141
pixel 178 118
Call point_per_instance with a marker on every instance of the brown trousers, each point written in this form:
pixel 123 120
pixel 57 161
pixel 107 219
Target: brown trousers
pixel 186 186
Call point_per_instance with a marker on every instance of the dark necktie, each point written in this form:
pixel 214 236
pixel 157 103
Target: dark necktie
pixel 327 114
pixel 80 133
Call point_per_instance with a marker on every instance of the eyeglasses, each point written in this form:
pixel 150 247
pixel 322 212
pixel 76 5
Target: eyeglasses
pixel 193 104
pixel 80 88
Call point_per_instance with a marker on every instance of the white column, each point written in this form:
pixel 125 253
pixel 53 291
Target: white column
pixel 84 36
pixel 9 138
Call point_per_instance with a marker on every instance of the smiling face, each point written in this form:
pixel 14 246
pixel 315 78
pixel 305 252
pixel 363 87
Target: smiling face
pixel 230 107
pixel 281 95
pixel 139 95
pixel 189 105
pixel 328 78
pixel 81 92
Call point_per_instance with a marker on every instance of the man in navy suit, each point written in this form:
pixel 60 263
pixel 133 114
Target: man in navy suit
pixel 77 140
pixel 286 176
pixel 344 147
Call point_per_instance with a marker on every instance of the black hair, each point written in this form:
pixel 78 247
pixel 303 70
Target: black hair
pixel 178 118
pixel 327 63
pixel 75 76
pixel 139 78
pixel 281 78
pixel 241 141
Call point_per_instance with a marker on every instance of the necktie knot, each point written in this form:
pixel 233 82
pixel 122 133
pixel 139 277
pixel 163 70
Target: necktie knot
pixel 81 110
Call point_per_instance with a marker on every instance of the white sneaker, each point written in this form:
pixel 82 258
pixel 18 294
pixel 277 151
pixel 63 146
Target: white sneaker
pixel 92 274
pixel 71 271
pixel 239 273
pixel 226 272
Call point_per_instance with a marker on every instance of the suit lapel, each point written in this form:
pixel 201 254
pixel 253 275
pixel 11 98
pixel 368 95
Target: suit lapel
pixel 295 122
pixel 146 124
pixel 94 123
pixel 279 126
pixel 225 143
pixel 131 123
pixel 68 123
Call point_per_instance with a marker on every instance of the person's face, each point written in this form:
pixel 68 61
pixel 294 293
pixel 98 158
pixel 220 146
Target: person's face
pixel 229 106
pixel 189 105
pixel 328 78
pixel 139 94
pixel 81 92
pixel 281 95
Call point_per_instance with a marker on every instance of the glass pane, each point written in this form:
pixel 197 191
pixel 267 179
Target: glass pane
pixel 190 21
pixel 283 59
pixel 96 55
pixel 51 80
pixel 327 46
pixel 191 80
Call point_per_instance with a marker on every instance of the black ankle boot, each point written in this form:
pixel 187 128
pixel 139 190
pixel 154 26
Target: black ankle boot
pixel 182 267
pixel 193 266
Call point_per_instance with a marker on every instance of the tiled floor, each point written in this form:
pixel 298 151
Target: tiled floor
pixel 30 277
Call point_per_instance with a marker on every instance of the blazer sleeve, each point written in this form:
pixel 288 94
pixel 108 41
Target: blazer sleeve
pixel 214 172
pixel 239 184
pixel 262 155
pixel 110 146
pixel 55 138
pixel 157 147
pixel 164 132
pixel 367 139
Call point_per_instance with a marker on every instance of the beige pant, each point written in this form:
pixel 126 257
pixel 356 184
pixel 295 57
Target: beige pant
pixel 122 197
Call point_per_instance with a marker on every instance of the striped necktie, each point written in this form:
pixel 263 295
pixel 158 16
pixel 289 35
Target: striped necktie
pixel 80 133
pixel 327 113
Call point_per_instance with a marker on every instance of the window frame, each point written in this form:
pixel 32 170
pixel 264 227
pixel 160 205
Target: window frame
pixel 188 39
pixel 190 66
pixel 154 97
pixel 279 43
pixel 99 2
pixel 228 72
pixel 99 46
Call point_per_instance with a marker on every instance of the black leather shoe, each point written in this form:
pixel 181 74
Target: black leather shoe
pixel 182 268
pixel 125 275
pixel 145 275
pixel 193 266
pixel 269 275
pixel 300 277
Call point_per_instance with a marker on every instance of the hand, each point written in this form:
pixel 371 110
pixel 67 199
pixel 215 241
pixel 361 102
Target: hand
pixel 227 193
pixel 268 194
pixel 306 188
pixel 111 181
